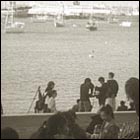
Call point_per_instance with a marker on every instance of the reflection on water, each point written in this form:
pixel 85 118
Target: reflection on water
pixel 46 53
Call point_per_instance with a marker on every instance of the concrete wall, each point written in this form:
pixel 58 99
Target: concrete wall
pixel 28 124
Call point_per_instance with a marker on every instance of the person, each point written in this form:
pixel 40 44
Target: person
pixel 9 133
pixel 75 108
pixel 101 91
pixel 109 129
pixel 132 92
pixel 132 107
pixel 96 120
pixel 41 103
pixel 86 91
pixel 122 107
pixel 113 88
pixel 75 131
pixel 54 128
pixel 51 102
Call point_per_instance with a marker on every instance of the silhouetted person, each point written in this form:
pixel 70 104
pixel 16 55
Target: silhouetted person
pixel 86 91
pixel 132 107
pixel 132 92
pixel 113 88
pixel 122 107
pixel 75 108
pixel 9 133
pixel 102 91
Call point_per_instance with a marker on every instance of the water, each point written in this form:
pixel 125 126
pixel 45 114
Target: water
pixel 45 53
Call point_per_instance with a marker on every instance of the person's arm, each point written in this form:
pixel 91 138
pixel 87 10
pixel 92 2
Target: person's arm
pixel 52 105
pixel 110 133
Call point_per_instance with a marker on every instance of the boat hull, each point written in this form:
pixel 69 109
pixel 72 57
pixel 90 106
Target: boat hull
pixel 26 125
pixel 17 27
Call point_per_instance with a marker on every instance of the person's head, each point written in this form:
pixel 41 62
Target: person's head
pixel 111 75
pixel 106 113
pixel 54 93
pixel 122 103
pixel 51 84
pixel 132 89
pixel 78 101
pixel 101 80
pixel 70 116
pixel 55 125
pixel 87 81
pixel 9 133
pixel 132 105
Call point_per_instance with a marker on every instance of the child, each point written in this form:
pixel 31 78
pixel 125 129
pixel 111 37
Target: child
pixel 51 102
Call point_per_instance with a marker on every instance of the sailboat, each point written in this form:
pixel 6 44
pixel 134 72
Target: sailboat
pixel 91 24
pixel 59 20
pixel 10 25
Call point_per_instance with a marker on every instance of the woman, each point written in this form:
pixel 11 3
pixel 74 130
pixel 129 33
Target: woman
pixel 109 129
pixel 48 94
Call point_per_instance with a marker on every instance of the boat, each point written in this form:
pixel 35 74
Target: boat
pixel 59 21
pixel 113 20
pixel 27 124
pixel 10 25
pixel 126 24
pixel 91 25
pixel 39 19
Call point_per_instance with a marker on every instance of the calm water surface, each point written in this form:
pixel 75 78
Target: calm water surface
pixel 45 53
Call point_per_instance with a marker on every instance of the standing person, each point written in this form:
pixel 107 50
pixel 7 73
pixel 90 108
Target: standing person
pixel 102 91
pixel 48 94
pixel 51 102
pixel 132 92
pixel 113 88
pixel 86 91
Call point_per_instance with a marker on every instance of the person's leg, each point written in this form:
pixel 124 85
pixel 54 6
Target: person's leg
pixel 87 106
pixel 114 104
pixel 81 107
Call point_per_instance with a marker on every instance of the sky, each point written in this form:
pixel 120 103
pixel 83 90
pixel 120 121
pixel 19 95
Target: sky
pixel 109 3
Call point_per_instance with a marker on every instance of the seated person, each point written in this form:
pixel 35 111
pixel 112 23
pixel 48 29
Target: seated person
pixel 75 108
pixel 122 107
pixel 132 107
pixel 109 129
pixel 96 120
pixel 9 133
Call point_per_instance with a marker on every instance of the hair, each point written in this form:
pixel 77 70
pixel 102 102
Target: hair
pixel 122 102
pixel 87 80
pixel 132 89
pixel 52 126
pixel 70 116
pixel 9 133
pixel 49 86
pixel 78 100
pixel 107 110
pixel 54 92
pixel 101 79
pixel 111 74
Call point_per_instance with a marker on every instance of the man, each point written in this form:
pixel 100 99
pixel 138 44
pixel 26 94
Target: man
pixel 102 91
pixel 86 91
pixel 113 88
pixel 122 106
